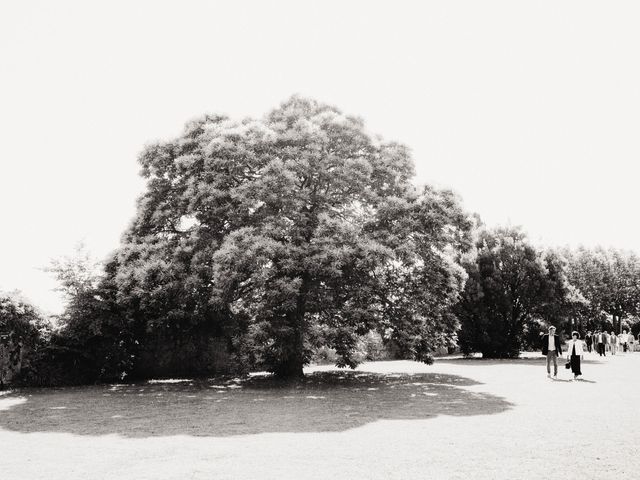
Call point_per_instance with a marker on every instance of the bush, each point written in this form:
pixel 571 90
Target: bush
pixel 369 347
pixel 22 334
pixel 325 356
pixel 373 347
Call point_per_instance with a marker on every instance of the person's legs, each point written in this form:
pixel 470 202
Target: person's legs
pixel 575 365
pixel 554 356
pixel 549 363
pixel 578 366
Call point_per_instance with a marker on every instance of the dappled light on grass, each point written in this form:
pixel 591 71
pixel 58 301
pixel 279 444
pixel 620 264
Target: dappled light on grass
pixel 322 402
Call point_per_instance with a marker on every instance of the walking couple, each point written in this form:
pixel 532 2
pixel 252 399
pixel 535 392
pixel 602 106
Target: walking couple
pixel 552 348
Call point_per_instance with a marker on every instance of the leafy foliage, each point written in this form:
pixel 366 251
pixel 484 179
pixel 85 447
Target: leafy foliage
pixel 92 341
pixel 22 332
pixel 511 287
pixel 271 231
pixel 610 280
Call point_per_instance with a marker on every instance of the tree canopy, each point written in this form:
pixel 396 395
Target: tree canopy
pixel 288 232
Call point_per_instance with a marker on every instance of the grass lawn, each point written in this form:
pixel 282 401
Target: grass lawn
pixel 456 419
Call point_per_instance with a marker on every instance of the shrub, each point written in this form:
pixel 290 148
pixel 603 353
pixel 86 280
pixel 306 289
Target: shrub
pixel 22 334
pixel 368 347
pixel 374 348
pixel 325 356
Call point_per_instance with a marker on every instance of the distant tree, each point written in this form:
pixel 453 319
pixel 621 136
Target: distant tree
pixel 290 232
pixel 610 280
pixel 511 285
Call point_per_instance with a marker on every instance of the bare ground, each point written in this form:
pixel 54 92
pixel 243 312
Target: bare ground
pixel 456 419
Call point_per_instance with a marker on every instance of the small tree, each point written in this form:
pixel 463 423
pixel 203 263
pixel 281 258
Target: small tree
pixel 94 341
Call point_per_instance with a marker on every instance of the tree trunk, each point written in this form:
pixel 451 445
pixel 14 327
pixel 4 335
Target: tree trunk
pixel 292 363
pixel 292 366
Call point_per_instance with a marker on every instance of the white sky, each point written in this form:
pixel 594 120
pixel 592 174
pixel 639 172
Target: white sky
pixel 529 110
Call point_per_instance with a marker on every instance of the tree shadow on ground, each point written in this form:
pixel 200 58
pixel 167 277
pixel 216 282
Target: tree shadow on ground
pixel 323 402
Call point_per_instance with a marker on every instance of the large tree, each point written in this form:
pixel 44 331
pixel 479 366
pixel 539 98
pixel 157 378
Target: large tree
pixel 292 231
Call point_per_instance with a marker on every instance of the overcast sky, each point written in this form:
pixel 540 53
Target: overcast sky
pixel 529 110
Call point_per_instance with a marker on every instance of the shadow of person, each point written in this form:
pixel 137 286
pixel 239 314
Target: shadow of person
pixel 536 361
pixel 322 402
pixel 562 380
pixel 585 380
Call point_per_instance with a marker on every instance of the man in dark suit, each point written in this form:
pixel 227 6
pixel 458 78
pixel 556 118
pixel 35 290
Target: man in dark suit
pixel 552 348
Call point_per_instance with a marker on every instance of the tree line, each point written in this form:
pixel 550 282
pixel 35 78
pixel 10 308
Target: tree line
pixel 258 242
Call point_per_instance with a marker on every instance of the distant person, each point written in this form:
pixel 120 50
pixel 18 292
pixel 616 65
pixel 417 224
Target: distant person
pixel 588 339
pixel 575 354
pixel 600 343
pixel 624 340
pixel 632 342
pixel 552 349
pixel 614 343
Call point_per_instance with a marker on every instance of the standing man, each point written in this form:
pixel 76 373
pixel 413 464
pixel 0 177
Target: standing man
pixel 552 349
